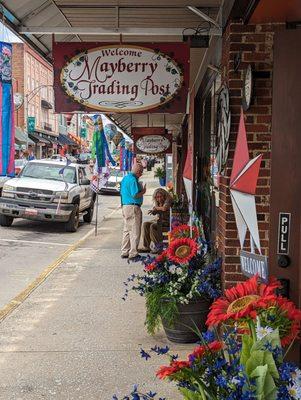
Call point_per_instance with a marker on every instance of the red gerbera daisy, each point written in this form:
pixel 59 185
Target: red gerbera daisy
pixel 150 267
pixel 199 351
pixel 281 313
pixel 241 301
pixel 184 231
pixel 181 251
pixel 174 367
pixel 162 257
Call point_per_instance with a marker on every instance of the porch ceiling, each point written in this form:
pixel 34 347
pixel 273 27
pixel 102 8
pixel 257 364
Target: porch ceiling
pixel 105 21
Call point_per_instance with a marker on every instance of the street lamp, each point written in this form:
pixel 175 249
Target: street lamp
pixel 28 97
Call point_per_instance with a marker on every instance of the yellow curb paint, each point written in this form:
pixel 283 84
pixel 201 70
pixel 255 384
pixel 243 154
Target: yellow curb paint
pixel 22 296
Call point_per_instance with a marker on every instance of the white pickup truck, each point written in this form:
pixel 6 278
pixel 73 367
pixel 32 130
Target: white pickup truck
pixel 48 190
pixel 3 179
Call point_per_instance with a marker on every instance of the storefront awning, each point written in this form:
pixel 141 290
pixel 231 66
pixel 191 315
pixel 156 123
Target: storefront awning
pixel 37 138
pixel 50 139
pixel 65 140
pixel 75 139
pixel 22 138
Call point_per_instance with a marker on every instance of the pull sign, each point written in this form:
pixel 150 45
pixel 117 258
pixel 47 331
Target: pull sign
pixel 284 233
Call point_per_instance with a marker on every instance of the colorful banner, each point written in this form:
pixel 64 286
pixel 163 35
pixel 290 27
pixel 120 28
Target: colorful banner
pixel 7 125
pixel 100 147
pixel 121 77
pixel 31 124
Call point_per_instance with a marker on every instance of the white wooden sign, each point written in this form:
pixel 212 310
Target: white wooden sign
pixel 121 78
pixel 152 144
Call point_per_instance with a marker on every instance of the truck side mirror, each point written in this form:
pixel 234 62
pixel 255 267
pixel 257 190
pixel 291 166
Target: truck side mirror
pixel 84 182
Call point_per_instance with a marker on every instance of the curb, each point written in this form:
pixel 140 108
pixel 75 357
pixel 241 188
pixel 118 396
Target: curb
pixel 22 296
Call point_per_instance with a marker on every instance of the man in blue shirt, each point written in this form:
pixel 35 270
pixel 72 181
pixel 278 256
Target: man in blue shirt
pixel 131 192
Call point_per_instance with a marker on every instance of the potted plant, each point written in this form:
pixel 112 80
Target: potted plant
pixel 246 361
pixel 160 173
pixel 179 286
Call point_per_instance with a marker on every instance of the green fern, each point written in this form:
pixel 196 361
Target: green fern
pixel 159 307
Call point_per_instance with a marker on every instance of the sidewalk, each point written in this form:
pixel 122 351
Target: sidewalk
pixel 74 337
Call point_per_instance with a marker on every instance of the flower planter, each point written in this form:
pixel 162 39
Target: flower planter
pixel 162 181
pixel 190 316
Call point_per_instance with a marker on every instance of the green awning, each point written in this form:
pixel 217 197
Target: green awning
pixel 22 137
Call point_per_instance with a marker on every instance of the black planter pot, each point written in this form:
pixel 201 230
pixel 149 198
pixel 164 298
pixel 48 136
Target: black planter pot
pixel 190 316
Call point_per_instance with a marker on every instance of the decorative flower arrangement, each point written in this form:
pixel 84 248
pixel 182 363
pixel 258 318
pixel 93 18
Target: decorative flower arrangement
pixel 184 231
pixel 236 366
pixel 184 272
pixel 249 300
pixel 232 370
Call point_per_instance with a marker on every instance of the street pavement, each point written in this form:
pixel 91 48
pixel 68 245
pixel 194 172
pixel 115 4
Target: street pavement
pixel 28 247
pixel 74 337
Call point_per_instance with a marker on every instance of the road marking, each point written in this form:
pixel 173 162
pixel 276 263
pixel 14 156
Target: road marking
pixel 22 296
pixel 34 242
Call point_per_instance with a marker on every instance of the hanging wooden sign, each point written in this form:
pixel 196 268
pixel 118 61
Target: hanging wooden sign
pixel 121 77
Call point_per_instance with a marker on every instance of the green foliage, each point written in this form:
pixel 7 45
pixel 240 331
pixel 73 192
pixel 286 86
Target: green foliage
pixel 189 395
pixel 260 364
pixel 156 308
pixel 265 385
pixel 159 173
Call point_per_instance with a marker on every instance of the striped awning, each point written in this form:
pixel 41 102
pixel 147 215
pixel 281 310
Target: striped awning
pixel 65 140
pixel 22 138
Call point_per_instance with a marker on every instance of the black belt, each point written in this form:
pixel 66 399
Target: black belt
pixel 132 204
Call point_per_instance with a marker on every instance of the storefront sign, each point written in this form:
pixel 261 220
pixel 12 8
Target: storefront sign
pixel 152 144
pixel 31 124
pixel 284 233
pixel 121 78
pixel 254 264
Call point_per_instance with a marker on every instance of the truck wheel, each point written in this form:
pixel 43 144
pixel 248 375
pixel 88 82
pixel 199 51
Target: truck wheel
pixel 88 216
pixel 5 220
pixel 73 223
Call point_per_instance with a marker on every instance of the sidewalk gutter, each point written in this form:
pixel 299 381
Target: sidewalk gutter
pixel 22 296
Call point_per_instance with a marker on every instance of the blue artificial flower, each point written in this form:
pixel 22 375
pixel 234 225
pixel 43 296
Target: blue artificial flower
pixel 144 354
pixel 160 350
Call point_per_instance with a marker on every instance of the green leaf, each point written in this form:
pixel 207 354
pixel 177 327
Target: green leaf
pixel 265 385
pixel 270 362
pixel 189 395
pixel 256 359
pixel 247 343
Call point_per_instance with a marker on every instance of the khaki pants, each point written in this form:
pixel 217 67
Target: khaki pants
pixel 151 232
pixel 132 218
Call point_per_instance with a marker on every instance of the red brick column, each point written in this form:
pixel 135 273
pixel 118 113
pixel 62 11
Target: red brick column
pixel 255 42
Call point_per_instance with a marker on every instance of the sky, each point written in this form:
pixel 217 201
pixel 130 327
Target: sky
pixel 7 35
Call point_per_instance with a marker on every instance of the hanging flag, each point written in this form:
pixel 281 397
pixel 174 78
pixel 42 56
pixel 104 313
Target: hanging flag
pixel 68 162
pixel 100 152
pixel 7 124
pixel 187 175
pixel 100 147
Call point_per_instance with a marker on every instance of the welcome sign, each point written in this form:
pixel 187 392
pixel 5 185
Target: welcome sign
pixel 121 77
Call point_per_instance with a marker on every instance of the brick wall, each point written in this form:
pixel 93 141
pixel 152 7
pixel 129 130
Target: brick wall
pixel 255 42
pixel 18 78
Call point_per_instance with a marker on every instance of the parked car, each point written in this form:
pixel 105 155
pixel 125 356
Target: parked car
pixel 84 158
pixel 19 165
pixel 58 157
pixel 48 190
pixel 113 184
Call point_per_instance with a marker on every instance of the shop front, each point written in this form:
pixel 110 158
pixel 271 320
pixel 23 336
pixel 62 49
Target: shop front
pixel 256 77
